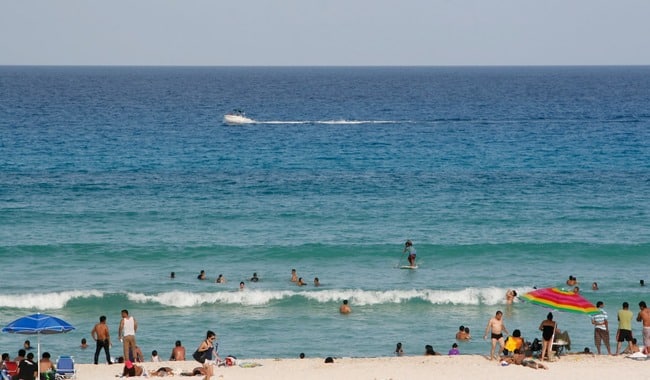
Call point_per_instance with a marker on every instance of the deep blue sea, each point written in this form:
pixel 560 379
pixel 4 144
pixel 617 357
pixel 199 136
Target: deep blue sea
pixel 503 178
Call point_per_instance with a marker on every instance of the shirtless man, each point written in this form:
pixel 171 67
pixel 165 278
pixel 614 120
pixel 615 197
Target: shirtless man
pixel 496 328
pixel 103 339
pixel 178 353
pixel 460 335
pixel 294 276
pixel 644 316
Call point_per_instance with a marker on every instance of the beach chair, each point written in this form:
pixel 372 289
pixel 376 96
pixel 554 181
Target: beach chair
pixel 561 342
pixel 65 368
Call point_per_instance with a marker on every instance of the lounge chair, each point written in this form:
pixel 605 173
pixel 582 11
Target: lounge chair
pixel 65 368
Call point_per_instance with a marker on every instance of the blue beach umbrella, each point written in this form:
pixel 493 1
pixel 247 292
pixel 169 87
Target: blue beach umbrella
pixel 37 324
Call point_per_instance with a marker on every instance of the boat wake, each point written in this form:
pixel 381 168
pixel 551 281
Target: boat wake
pixel 328 122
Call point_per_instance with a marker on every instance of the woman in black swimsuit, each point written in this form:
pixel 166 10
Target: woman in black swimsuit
pixel 548 328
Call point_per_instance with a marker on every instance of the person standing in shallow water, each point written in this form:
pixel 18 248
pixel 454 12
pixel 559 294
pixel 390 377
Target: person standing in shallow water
pixel 410 249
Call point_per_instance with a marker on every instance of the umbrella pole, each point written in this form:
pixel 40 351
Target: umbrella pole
pixel 38 352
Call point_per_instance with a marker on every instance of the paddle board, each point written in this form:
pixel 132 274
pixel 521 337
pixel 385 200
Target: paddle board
pixel 408 267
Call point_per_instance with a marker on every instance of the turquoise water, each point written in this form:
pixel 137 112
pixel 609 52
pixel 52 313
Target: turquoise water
pixel 111 178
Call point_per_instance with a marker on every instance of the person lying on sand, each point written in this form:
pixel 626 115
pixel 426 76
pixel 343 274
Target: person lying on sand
pixel 195 372
pixel 520 359
pixel 162 371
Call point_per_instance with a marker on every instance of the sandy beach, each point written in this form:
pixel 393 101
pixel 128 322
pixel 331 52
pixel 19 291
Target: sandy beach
pixel 410 367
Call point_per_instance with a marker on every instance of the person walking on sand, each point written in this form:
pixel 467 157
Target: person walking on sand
pixel 624 332
pixel 644 316
pixel 103 339
pixel 496 328
pixel 126 333
pixel 206 350
pixel 601 328
pixel 410 249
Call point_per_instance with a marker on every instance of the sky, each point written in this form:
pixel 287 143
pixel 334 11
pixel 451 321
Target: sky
pixel 324 32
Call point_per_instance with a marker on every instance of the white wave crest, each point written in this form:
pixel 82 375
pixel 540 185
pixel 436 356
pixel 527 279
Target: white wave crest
pixel 185 299
pixel 45 301
pixel 467 296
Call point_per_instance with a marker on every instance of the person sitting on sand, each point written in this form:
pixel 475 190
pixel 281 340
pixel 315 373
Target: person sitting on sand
pixel 154 356
pixel 178 352
pixel 162 371
pixel 48 372
pixel 454 349
pixel 513 343
pixel 345 308
pixel 633 347
pixel 138 356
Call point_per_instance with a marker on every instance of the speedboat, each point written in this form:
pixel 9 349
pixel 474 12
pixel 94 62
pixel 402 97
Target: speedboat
pixel 237 117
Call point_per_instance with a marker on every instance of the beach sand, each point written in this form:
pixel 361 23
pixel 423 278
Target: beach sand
pixel 402 368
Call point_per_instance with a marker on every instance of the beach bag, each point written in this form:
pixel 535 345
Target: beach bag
pixel 200 356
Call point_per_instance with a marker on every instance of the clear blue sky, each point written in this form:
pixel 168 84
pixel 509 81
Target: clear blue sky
pixel 325 32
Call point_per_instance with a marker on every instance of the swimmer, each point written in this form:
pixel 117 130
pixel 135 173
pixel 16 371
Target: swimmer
pixel 316 281
pixel 301 282
pixel 510 296
pixel 255 278
pixel 345 308
pixel 294 276
pixel 220 279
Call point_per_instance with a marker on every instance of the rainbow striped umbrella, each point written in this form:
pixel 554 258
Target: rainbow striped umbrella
pixel 562 300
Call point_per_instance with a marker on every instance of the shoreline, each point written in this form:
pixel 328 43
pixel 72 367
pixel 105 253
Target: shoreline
pixel 394 368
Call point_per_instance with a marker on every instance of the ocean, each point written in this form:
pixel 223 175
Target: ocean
pixel 504 178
